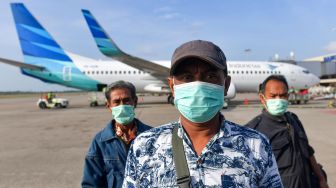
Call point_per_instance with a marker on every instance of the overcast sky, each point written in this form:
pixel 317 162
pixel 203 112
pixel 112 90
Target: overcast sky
pixel 152 29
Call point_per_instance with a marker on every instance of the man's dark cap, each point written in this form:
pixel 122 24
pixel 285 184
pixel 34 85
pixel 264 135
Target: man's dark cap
pixel 200 49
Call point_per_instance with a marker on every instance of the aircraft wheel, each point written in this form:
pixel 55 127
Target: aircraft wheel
pixel 42 105
pixel 94 104
pixel 170 99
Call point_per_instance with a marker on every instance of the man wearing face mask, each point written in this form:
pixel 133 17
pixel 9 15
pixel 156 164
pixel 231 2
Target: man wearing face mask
pixel 105 161
pixel 294 155
pixel 202 149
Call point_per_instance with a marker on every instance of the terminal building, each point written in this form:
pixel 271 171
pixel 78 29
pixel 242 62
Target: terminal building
pixel 323 67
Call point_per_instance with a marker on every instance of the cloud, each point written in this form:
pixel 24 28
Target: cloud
pixel 162 10
pixel 170 16
pixel 167 13
pixel 331 47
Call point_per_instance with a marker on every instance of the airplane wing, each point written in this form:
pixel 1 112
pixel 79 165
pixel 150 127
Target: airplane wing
pixel 108 47
pixel 21 65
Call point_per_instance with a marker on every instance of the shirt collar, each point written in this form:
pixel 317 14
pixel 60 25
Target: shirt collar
pixel 224 130
pixel 108 132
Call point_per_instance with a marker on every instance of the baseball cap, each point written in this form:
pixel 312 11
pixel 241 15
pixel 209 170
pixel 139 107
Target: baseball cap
pixel 200 49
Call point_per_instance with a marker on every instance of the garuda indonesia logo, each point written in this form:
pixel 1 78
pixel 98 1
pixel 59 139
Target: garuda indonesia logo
pixel 272 67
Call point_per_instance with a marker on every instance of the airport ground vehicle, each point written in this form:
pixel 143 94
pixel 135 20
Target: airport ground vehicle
pixel 54 103
pixel 298 96
pixel 96 99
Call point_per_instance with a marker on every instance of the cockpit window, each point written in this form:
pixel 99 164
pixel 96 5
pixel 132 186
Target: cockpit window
pixel 305 71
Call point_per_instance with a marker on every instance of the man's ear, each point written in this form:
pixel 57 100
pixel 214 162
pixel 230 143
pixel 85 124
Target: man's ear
pixel 171 84
pixel 107 105
pixel 227 83
pixel 136 101
pixel 262 98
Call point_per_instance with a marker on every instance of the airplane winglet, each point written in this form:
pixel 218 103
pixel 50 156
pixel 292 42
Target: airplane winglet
pixel 109 48
pixel 105 44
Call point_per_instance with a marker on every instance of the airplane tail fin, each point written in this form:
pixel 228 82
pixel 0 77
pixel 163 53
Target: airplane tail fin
pixel 37 44
pixel 105 44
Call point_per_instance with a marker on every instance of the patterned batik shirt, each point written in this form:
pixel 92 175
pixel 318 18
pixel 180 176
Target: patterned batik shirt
pixel 235 157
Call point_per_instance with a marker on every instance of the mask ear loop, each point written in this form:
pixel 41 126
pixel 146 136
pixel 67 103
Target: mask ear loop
pixel 265 104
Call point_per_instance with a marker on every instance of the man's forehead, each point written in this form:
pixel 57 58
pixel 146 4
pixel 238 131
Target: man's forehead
pixel 275 85
pixel 118 92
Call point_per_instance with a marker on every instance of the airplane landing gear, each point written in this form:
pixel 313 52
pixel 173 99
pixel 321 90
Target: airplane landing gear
pixel 170 99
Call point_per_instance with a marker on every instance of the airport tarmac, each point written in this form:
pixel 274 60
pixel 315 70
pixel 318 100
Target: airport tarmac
pixel 46 148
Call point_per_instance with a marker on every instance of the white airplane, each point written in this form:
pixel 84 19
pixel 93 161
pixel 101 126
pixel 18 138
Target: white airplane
pixel 44 59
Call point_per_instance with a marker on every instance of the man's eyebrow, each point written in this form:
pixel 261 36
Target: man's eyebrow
pixel 184 71
pixel 211 70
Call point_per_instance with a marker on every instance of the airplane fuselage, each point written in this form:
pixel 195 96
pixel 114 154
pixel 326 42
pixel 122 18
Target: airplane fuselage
pixel 246 75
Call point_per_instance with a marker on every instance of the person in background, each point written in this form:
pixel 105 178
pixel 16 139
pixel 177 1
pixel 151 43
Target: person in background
pixel 294 155
pixel 105 160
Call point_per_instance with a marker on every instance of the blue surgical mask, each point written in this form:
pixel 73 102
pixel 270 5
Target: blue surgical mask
pixel 198 101
pixel 276 107
pixel 123 114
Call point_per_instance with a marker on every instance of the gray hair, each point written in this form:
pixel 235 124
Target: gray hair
pixel 120 85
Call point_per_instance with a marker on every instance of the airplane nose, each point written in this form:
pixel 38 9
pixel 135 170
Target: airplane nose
pixel 315 79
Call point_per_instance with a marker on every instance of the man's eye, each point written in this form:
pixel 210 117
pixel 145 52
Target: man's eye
pixel 126 100
pixel 212 77
pixel 187 77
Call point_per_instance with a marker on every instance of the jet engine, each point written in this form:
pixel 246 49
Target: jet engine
pixel 231 93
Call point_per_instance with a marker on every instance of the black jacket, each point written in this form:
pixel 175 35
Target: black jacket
pixel 289 144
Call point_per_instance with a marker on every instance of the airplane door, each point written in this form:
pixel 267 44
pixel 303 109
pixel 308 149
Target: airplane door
pixel 67 73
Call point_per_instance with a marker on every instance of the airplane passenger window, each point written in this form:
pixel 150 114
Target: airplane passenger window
pixel 233 72
pixel 92 72
pixel 120 72
pixel 134 72
pixel 251 72
pixel 124 72
pixel 237 72
pixel 242 72
pixel 129 72
pixel 102 72
pixel 111 72
pixel 97 72
pixel 106 72
pixel 263 72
